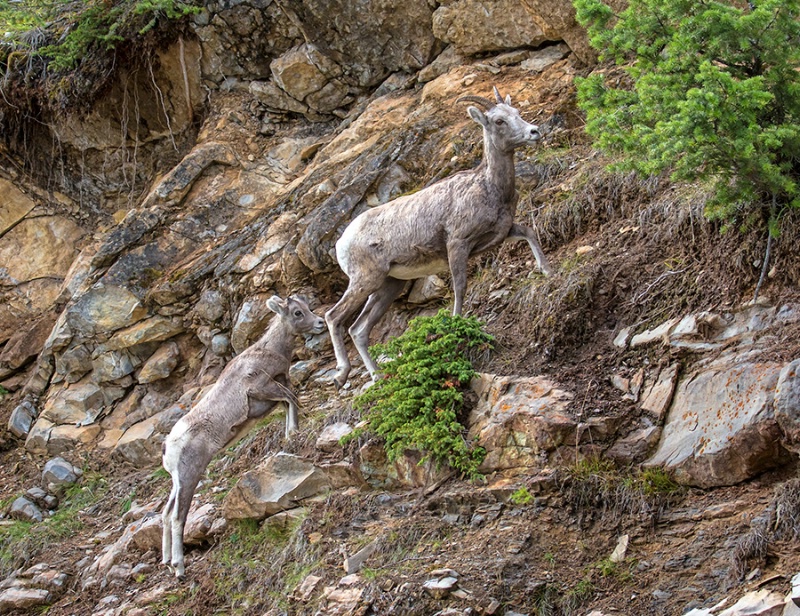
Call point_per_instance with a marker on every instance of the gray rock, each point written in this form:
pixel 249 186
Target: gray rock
pixel 211 306
pixel 279 483
pixel 659 391
pixel 58 474
pixel 430 288
pixel 721 429
pixel 328 439
pixel 517 419
pixel 24 509
pixel 354 563
pixel 16 598
pixel 160 364
pixel 439 588
pixel 787 404
pixel 220 344
pixel 79 403
pixel 541 59
pixel 22 418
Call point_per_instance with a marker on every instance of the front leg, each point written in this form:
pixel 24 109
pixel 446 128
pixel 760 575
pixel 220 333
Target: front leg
pixel 521 232
pixel 457 257
pixel 275 390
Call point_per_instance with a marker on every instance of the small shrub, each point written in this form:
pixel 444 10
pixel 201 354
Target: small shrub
pixel 416 404
pixel 521 497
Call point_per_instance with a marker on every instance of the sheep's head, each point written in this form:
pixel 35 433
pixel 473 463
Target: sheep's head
pixel 503 125
pixel 296 313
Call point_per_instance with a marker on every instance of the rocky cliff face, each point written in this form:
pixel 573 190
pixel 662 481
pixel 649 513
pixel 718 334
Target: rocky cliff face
pixel 223 170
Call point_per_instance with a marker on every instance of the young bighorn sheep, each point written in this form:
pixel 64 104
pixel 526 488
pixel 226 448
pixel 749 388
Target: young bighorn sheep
pixel 248 388
pixel 423 233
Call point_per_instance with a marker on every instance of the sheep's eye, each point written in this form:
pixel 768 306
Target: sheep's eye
pixel 499 121
pixel 298 313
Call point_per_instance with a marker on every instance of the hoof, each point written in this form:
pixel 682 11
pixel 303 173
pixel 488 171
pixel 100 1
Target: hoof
pixel 179 570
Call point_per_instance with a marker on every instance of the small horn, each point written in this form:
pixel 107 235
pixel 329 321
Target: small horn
pixel 497 95
pixel 469 98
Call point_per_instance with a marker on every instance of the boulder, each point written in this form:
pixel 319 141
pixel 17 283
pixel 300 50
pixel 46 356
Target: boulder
pixel 308 75
pixel 787 404
pixel 20 598
pixel 427 289
pixel 406 471
pixel 556 18
pixel 720 429
pixel 41 247
pixel 14 206
pixel 79 403
pixel 764 602
pixel 141 443
pixel 281 482
pixel 479 26
pixel 160 364
pixel 369 40
pixel 58 474
pixel 658 392
pixel 112 365
pixel 66 438
pixel 251 321
pixel 24 509
pixel 153 329
pixel 22 417
pixel 104 309
pixel 211 306
pixel 517 419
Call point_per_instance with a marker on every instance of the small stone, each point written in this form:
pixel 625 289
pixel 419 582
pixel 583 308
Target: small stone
pixel 306 588
pixel 493 606
pixel 23 509
pixel 440 588
pixel 354 563
pixel 331 435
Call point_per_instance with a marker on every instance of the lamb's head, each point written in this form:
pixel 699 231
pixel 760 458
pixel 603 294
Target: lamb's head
pixel 294 311
pixel 503 126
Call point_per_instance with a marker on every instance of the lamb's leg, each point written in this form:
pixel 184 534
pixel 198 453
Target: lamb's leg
pixel 166 524
pixel 190 469
pixel 521 232
pixel 376 307
pixel 355 297
pixel 277 389
pixel 457 256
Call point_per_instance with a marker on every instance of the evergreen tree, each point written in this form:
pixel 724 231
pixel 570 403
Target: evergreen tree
pixel 707 90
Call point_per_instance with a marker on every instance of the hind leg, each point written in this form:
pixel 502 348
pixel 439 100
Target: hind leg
pixel 166 526
pixel 353 299
pixel 376 307
pixel 189 474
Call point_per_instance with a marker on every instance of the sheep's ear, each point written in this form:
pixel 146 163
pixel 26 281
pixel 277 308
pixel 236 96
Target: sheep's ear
pixel 508 100
pixel 477 115
pixel 276 304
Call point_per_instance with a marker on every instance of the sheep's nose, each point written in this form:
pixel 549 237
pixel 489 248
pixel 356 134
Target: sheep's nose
pixel 535 134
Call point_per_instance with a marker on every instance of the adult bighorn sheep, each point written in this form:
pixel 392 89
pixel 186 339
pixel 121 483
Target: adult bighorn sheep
pixel 421 234
pixel 247 389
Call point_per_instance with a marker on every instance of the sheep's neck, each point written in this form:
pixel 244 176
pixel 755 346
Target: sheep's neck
pixel 499 168
pixel 279 337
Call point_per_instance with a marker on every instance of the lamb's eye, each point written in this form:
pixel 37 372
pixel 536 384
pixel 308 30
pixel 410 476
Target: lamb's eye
pixel 499 121
pixel 298 313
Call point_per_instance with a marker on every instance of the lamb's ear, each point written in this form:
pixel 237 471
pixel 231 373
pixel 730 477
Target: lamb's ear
pixel 477 115
pixel 277 305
